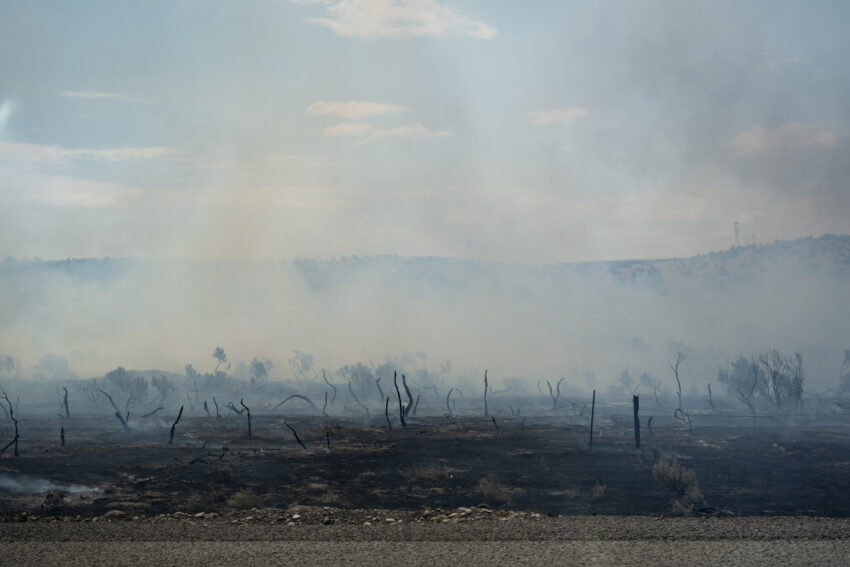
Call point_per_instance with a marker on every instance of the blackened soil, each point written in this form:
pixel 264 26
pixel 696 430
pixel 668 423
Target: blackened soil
pixel 542 466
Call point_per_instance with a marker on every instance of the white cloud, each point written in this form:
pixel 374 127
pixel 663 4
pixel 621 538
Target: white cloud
pixel 374 19
pixel 96 95
pixel 368 133
pixel 414 131
pixel 795 136
pixel 21 151
pixel 359 129
pixel 545 117
pixel 353 110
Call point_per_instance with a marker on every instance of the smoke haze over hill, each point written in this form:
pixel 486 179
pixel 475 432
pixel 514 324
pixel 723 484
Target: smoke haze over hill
pixel 534 322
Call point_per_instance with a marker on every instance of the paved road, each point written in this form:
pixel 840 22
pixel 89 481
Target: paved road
pixel 553 541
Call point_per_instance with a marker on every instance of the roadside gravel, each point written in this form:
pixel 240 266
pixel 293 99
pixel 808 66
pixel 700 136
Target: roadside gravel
pixel 515 538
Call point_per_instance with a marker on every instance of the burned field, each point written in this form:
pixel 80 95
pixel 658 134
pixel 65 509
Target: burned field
pixel 539 463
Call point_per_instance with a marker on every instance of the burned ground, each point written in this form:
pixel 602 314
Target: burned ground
pixel 534 464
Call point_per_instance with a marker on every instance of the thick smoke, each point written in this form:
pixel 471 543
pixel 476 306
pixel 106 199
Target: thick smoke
pixel 531 322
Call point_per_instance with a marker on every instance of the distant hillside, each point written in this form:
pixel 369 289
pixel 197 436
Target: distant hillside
pixel 827 254
pixel 525 320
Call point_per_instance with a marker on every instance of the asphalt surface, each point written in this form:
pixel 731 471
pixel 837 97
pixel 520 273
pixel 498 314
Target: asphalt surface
pixel 602 540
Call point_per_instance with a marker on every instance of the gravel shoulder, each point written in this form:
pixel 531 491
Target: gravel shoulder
pixel 518 540
pixel 515 528
pixel 430 553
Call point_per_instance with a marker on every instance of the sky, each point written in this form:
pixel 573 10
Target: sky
pixel 526 132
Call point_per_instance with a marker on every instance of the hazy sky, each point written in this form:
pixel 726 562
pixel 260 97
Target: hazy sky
pixel 489 129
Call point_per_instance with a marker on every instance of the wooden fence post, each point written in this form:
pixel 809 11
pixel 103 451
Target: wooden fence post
pixel 592 412
pixel 636 404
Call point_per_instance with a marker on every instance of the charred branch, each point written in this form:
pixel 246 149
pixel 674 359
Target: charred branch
pixel 174 426
pixel 674 366
pixel 409 405
pixel 555 395
pixel 448 399
pixel 248 411
pixel 486 387
pixel 65 402
pixel 11 414
pixel 118 415
pixel 230 406
pixel 150 413
pixel 295 433
pixel 400 406
pixel 380 390
pixel 685 418
pixel 353 395
pixel 300 397
pixel 325 378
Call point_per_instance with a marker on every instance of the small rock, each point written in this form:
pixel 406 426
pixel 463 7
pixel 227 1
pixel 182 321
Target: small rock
pixel 296 516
